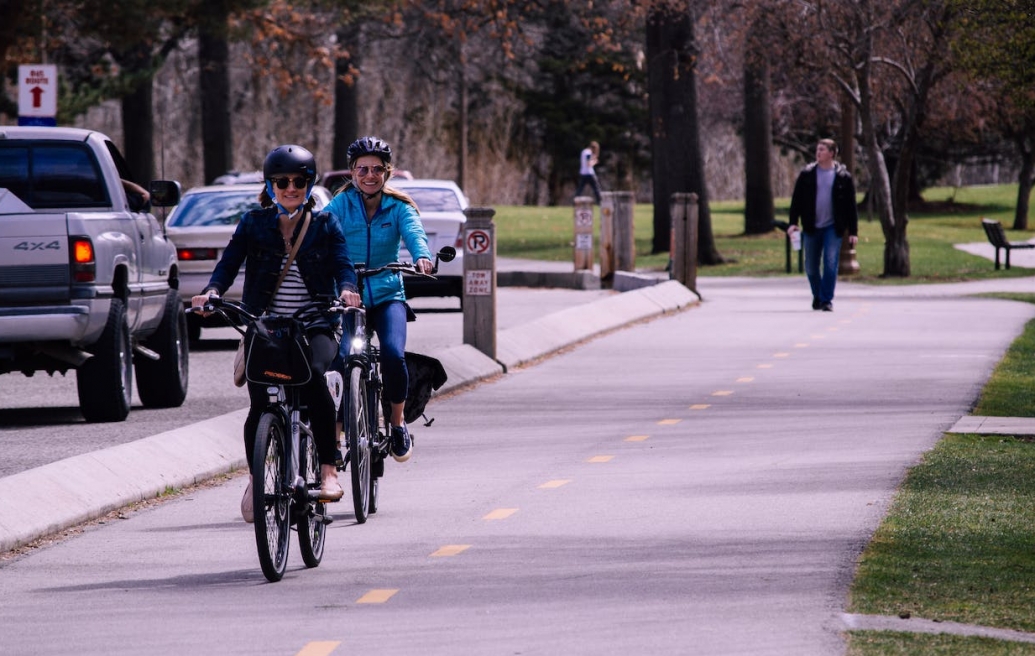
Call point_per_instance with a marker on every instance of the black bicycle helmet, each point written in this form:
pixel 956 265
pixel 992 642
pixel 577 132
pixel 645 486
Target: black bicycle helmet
pixel 287 160
pixel 369 146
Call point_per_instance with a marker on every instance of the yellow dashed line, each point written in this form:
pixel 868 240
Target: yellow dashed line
pixel 318 649
pixel 818 336
pixel 700 406
pixel 781 355
pixel 377 596
pixel 669 422
pixel 636 438
pixel 550 485
pixel 765 366
pixel 601 459
pixel 501 513
pixel 723 393
pixel 450 550
pixel 745 379
pixel 801 345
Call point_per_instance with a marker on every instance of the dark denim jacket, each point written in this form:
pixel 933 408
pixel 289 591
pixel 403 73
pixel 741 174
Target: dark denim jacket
pixel 323 259
pixel 803 200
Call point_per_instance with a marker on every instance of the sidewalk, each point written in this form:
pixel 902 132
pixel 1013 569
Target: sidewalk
pixel 48 499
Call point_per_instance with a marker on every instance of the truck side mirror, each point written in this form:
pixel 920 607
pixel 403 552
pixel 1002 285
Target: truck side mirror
pixel 165 193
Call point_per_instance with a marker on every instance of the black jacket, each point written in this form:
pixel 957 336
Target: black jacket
pixel 803 202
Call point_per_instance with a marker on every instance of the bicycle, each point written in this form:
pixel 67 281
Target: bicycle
pixel 285 466
pixel 366 412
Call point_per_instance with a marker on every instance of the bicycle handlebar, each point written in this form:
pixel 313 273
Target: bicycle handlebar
pixel 220 305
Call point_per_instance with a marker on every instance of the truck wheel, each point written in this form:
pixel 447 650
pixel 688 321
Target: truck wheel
pixel 105 381
pixel 162 383
pixel 193 329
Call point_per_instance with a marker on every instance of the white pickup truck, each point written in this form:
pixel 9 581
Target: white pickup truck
pixel 88 279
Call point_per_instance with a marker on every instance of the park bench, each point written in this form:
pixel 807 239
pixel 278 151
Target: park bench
pixel 997 236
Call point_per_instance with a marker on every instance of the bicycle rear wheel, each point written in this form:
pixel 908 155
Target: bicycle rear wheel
pixel 359 442
pixel 271 499
pixel 312 531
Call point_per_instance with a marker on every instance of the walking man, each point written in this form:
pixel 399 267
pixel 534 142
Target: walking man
pixel 824 200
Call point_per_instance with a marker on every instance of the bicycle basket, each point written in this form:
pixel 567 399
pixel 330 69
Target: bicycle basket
pixel 278 352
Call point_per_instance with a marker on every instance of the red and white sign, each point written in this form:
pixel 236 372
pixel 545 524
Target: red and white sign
pixel 478 282
pixel 477 241
pixel 37 90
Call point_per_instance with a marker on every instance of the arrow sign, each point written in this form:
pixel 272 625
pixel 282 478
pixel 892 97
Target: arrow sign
pixel 37 91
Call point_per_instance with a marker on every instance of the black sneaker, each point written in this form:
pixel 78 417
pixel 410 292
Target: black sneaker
pixel 816 304
pixel 828 307
pixel 402 447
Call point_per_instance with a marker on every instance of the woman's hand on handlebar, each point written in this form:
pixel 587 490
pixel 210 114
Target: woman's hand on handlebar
pixel 349 297
pixel 424 265
pixel 199 301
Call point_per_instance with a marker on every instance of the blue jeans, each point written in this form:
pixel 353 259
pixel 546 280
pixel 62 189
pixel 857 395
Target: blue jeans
pixel 389 323
pixel 822 255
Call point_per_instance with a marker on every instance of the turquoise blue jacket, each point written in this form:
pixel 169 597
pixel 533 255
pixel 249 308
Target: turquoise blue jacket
pixel 376 242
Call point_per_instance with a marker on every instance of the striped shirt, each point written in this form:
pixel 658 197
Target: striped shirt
pixel 292 293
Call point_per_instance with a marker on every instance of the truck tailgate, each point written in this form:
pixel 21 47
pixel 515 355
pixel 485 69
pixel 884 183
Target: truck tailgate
pixel 34 262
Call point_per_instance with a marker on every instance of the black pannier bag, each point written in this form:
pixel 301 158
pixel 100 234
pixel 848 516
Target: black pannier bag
pixel 278 352
pixel 426 376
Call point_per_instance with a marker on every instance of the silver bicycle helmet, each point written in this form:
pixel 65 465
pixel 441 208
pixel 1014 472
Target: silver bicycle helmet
pixel 369 146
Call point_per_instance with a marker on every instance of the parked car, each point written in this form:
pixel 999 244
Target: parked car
pixel 201 226
pixel 441 204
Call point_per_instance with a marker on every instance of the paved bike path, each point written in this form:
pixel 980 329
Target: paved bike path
pixel 48 499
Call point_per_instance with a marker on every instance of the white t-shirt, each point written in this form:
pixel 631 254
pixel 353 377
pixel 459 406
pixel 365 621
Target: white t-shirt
pixel 585 165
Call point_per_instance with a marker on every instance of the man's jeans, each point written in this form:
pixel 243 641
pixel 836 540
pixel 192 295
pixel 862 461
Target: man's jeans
pixel 823 244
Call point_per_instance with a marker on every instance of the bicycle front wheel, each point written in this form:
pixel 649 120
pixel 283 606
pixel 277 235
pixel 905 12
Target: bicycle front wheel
pixel 359 442
pixel 271 497
pixel 312 531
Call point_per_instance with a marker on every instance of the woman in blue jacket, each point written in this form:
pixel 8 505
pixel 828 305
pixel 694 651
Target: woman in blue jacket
pixel 374 218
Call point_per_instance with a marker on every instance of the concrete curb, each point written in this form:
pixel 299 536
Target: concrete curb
pixel 854 622
pixel 51 498
pixel 530 341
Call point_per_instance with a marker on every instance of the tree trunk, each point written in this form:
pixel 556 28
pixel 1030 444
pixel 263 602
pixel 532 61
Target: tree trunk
pixel 214 87
pixel 138 132
pixel 759 211
pixel 678 160
pixel 346 98
pixel 462 118
pixel 896 251
pixel 1025 182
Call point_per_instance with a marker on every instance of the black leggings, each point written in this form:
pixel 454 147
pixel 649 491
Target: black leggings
pixel 315 395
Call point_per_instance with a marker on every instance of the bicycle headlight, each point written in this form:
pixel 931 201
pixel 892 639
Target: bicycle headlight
pixel 356 345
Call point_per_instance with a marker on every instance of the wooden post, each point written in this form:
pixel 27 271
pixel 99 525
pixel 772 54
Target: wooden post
pixel 583 233
pixel 624 242
pixel 479 301
pixel 607 235
pixel 683 210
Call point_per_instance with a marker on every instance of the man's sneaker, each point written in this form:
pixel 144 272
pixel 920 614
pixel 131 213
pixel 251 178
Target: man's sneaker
pixel 402 446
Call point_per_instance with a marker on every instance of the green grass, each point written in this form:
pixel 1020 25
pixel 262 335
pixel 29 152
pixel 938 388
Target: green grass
pixel 546 233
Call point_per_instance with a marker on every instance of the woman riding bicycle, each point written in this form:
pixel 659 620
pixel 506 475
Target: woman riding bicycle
pixel 321 268
pixel 374 218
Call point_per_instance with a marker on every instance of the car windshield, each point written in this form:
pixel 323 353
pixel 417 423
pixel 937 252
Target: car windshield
pixel 429 199
pixel 213 209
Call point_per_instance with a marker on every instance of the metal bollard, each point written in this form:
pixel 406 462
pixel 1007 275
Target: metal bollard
pixel 479 300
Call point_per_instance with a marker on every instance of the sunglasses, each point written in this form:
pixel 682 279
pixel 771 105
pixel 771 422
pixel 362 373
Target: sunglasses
pixel 282 183
pixel 366 170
